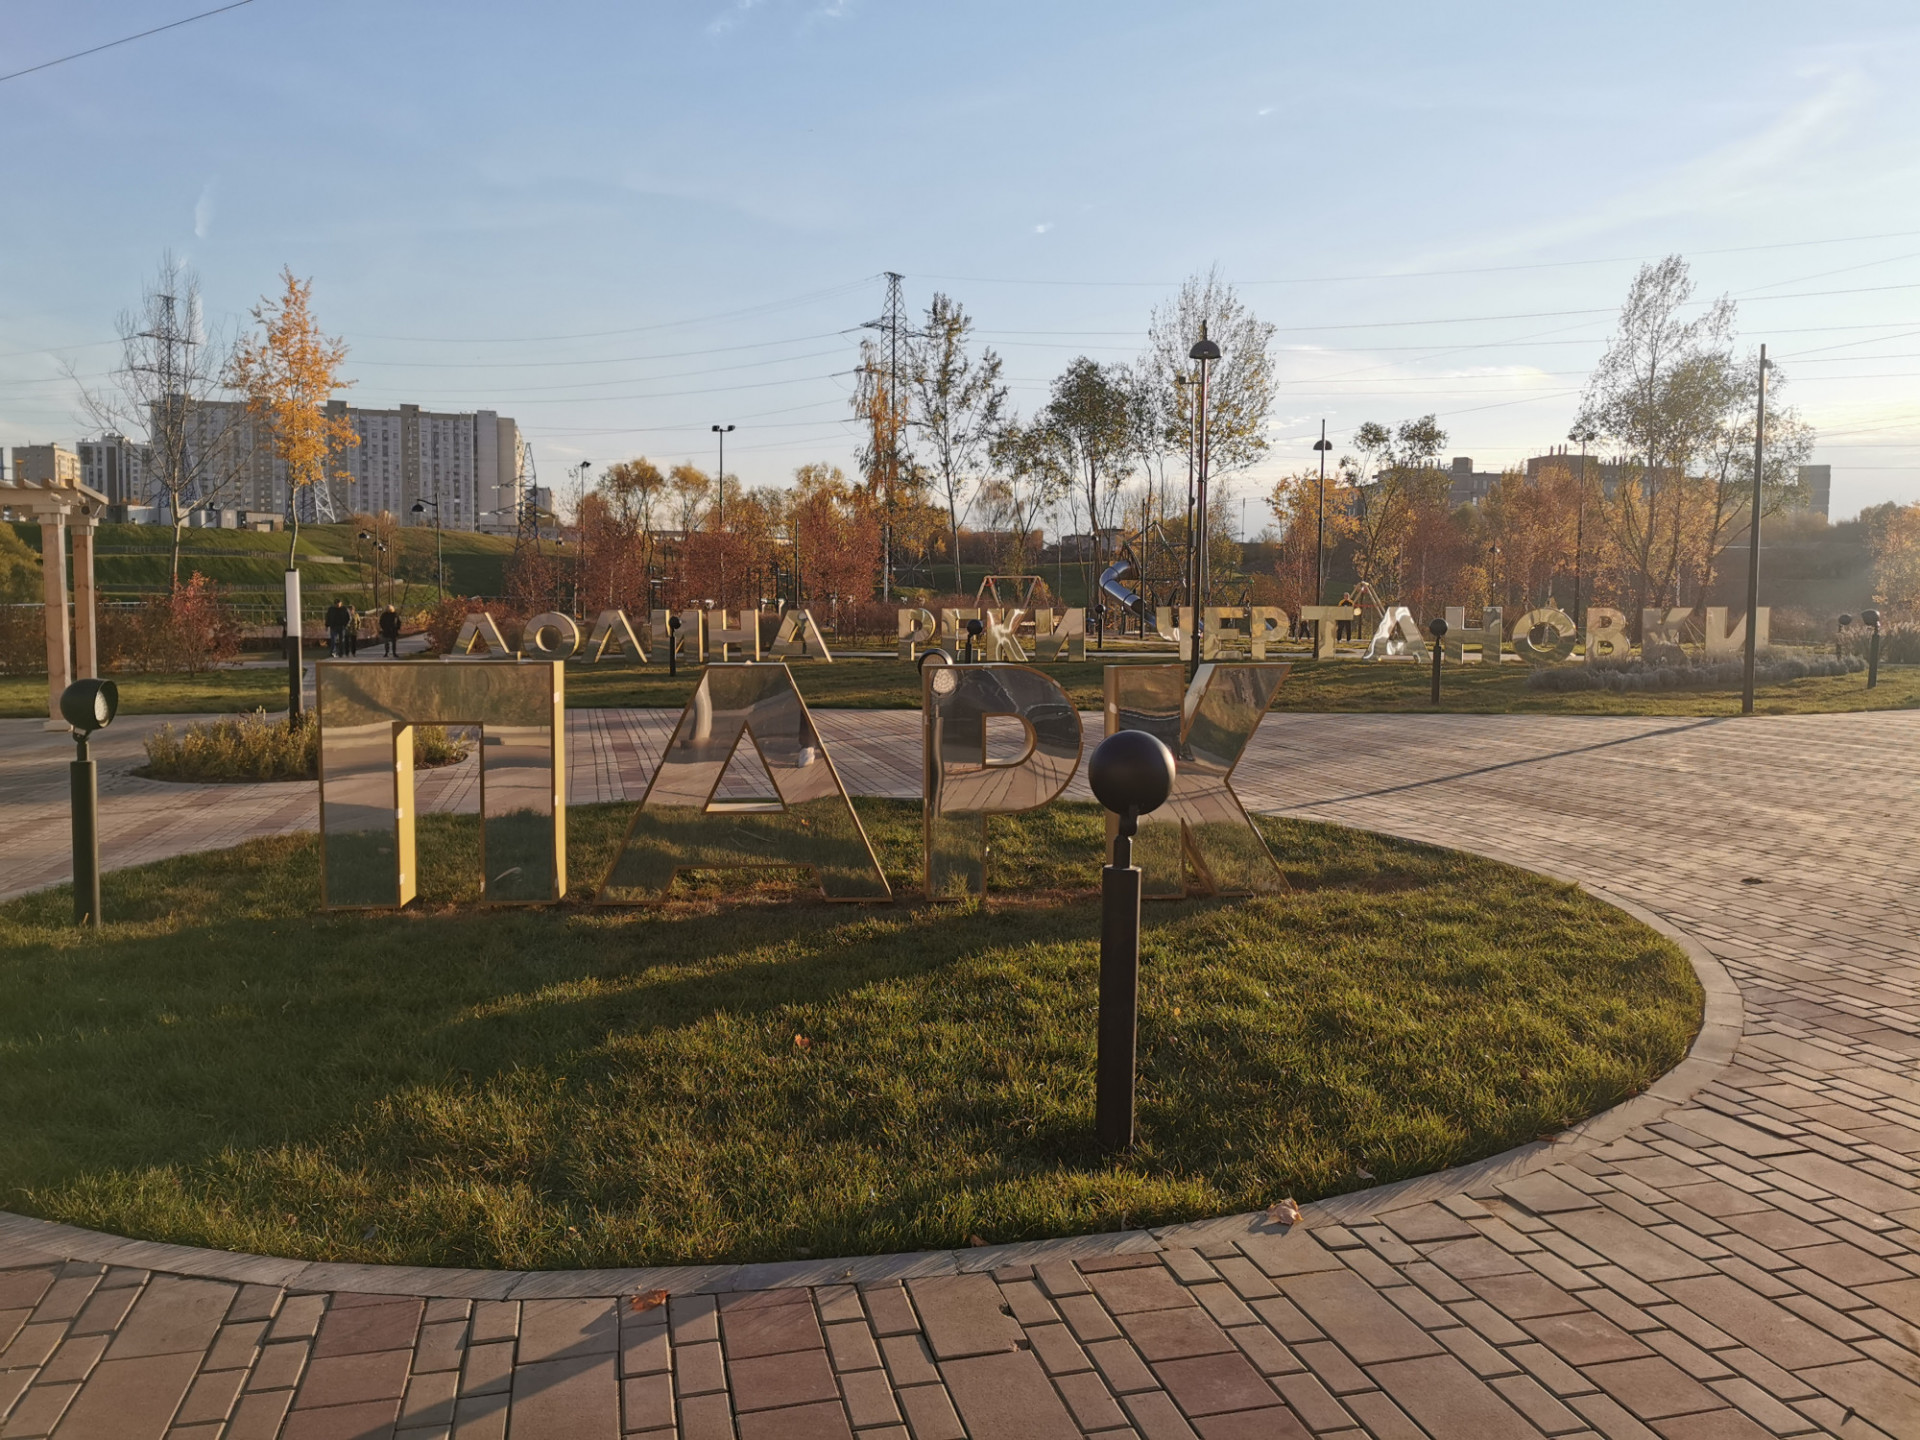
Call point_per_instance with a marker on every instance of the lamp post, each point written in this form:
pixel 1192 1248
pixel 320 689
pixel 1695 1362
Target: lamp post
pixel 1584 434
pixel 579 473
pixel 1131 774
pixel 1753 541
pixel 1206 352
pixel 439 557
pixel 87 705
pixel 1438 629
pixel 1840 636
pixel 1323 445
pixel 1872 617
pixel 720 506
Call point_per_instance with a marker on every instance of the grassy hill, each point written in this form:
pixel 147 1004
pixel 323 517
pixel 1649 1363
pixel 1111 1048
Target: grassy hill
pixel 133 560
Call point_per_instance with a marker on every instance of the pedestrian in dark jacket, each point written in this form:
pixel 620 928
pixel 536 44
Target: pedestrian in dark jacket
pixel 390 633
pixel 336 628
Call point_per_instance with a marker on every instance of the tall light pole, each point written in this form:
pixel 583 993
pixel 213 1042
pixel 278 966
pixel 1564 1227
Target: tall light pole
pixel 1323 445
pixel 1584 434
pixel 580 555
pixel 1206 352
pixel 720 520
pixel 1753 537
pixel 439 555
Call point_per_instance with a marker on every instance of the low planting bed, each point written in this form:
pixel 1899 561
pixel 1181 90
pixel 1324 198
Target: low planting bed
pixel 742 1075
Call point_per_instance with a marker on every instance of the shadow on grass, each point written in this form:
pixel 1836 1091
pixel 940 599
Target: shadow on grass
pixel 753 1076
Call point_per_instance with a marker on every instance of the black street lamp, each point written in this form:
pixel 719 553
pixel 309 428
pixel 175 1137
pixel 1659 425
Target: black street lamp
pixel 1323 445
pixel 87 706
pixel 1871 617
pixel 720 506
pixel 1206 352
pixel 1131 774
pixel 439 556
pixel 1840 636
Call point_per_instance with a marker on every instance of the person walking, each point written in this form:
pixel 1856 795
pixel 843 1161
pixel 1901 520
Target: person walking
pixel 390 633
pixel 336 628
pixel 352 628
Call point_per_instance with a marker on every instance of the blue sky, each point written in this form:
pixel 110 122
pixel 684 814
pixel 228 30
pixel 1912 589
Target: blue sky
pixel 622 223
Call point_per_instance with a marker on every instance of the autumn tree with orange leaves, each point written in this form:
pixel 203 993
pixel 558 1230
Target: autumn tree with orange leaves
pixel 288 371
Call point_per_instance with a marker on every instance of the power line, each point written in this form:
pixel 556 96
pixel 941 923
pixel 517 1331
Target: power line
pixel 123 40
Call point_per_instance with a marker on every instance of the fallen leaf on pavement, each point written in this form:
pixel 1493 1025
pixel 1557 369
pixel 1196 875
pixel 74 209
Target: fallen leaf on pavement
pixel 649 1300
pixel 1284 1212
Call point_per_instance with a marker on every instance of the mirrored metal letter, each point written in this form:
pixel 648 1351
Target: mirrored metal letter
pixel 478 629
pixel 1222 621
pixel 808 823
pixel 1207 726
pixel 1068 636
pixel 1179 631
pixel 1546 617
pixel 963 786
pixel 1265 623
pixel 689 642
pixel 1398 633
pixel 551 636
pixel 798 637
pixel 367 710
pixel 916 630
pixel 1724 641
pixel 1660 634
pixel 1488 637
pixel 743 635
pixel 1326 619
pixel 612 633
pixel 1607 636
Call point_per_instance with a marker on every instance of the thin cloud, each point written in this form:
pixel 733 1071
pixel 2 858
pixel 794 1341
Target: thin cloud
pixel 203 212
pixel 1043 227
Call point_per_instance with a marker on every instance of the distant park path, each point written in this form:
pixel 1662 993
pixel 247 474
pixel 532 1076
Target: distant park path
pixel 1734 1254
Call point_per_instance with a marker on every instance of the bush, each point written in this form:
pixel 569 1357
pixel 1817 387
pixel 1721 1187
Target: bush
pixel 1899 642
pixel 252 747
pixel 189 629
pixel 23 640
pixel 1634 676
pixel 442 622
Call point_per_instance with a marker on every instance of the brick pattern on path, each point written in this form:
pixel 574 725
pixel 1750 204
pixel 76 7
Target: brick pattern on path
pixel 1743 1259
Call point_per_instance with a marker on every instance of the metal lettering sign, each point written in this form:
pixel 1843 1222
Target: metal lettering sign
pixel 964 784
pixel 612 632
pixel 745 710
pixel 799 638
pixel 1207 726
pixel 367 710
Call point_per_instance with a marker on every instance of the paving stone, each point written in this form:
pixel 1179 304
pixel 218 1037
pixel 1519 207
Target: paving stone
pixel 1653 1388
pixel 1352 1313
pixel 236 1346
pixel 908 1360
pixel 1007 1397
pixel 488 1368
pixel 575 1398
pixel 647 1402
pixel 127 1399
pixel 1173 1334
pixel 1776 1333
pixel 1264 1349
pixel 889 1310
pixel 211 1398
pixel 1530 1398
pixel 258 1415
pixel 173 1316
pixel 1885 1399
pixel 643 1349
pixel 279 1366
pixel 693 1318
pixel 298 1317
pixel 429 1400
pixel 868 1397
pixel 353 1380
pixel 1545 1193
pixel 21 1288
pixel 1603 1412
pixel 1522 1297
pixel 39 1410
pixel 824 1420
pixel 1245 1277
pixel 930 1413
pixel 363 1329
pixel 1094 1409
pixel 1584 1338
pixel 1421 1224
pixel 568 1329
pixel 1448 1401
pixel 1028 1304
pixel 1474 1259
pixel 1059 1277
pixel 1057 1350
pixel 1631 1246
pixel 1335 1371
pixel 363 1420
pixel 1712 1425
pixel 963 1315
pixel 1127 1291
pixel 74 1359
pixel 1087 1318
pixel 1214 1384
pixel 1297 1253
pixel 1688 1356
pixel 494 1320
pixel 767 1382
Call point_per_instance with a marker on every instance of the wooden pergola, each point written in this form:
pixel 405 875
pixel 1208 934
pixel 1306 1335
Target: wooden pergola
pixel 72 644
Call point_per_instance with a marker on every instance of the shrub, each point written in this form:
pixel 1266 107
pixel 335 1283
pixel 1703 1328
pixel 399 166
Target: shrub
pixel 252 747
pixel 189 629
pixel 1635 675
pixel 1899 642
pixel 442 622
pixel 23 640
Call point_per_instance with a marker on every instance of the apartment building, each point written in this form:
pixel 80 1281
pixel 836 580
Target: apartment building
pixel 117 468
pixel 45 465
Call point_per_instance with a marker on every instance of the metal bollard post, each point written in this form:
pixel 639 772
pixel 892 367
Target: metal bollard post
pixel 1131 774
pixel 1437 629
pixel 673 645
pixel 1840 636
pixel 974 628
pixel 87 705
pixel 1872 617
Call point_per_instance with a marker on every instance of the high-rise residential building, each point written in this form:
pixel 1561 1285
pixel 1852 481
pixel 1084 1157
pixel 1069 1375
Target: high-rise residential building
pixel 117 468
pixel 1816 483
pixel 45 465
pixel 464 468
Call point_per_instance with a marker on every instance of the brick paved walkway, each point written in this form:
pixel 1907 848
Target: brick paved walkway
pixel 1735 1254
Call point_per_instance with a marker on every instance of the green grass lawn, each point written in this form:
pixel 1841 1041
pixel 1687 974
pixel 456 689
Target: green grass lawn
pixel 1337 685
pixel 749 1079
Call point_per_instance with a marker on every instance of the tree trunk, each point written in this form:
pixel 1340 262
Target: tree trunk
pixel 173 575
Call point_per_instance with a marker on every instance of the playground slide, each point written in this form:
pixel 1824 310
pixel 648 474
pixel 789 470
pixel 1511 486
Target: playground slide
pixel 1113 589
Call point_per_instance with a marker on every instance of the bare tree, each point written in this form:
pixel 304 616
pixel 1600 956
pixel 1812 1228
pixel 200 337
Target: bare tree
pixel 1728 462
pixel 1240 384
pixel 1034 473
pixel 169 394
pixel 956 403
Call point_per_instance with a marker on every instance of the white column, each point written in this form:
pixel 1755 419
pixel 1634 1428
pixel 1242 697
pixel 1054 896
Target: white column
pixel 86 635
